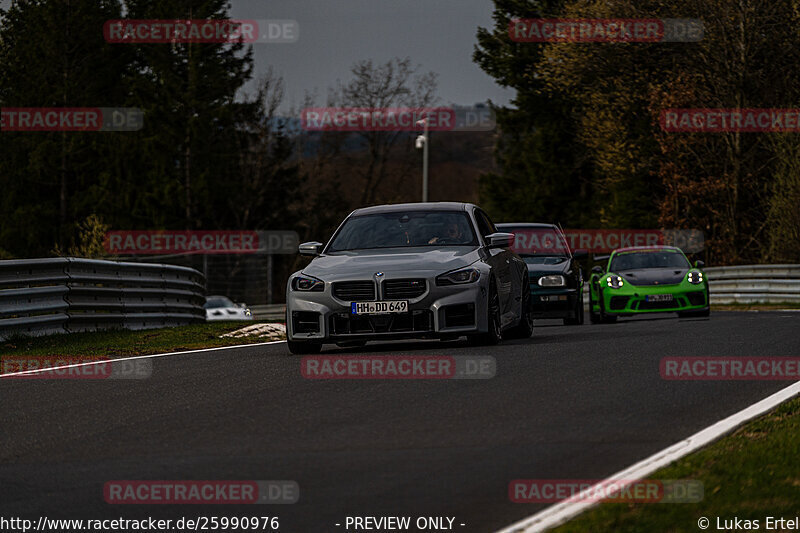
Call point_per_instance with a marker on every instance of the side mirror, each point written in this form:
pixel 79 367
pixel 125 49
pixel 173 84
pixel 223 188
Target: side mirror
pixel 597 270
pixel 500 240
pixel 699 264
pixel 580 254
pixel 310 248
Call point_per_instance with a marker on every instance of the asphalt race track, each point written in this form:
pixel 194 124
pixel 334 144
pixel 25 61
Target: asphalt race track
pixel 571 402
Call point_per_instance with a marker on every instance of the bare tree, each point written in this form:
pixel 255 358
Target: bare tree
pixel 396 83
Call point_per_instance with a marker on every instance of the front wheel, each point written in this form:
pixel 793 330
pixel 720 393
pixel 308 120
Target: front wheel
pixel 524 329
pixel 594 318
pixel 577 320
pixel 494 335
pixel 304 347
pixel 601 317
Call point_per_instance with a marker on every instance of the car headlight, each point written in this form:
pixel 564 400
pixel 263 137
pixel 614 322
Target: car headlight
pixel 552 281
pixel 308 284
pixel 695 277
pixel 458 277
pixel 614 281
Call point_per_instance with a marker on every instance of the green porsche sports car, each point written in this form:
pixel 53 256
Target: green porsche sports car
pixel 647 279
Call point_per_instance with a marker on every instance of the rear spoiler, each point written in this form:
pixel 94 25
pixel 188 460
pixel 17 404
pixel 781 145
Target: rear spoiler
pixel 600 257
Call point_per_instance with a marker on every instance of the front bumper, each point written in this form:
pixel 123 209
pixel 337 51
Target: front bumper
pixel 440 312
pixel 632 299
pixel 553 303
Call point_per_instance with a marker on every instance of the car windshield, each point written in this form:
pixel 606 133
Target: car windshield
pixel 654 259
pixel 403 230
pixel 218 301
pixel 533 244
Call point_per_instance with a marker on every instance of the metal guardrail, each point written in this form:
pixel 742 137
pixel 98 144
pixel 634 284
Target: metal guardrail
pixel 65 295
pixel 275 313
pixel 752 284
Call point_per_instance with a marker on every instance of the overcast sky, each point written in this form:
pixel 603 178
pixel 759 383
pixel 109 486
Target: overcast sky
pixel 439 35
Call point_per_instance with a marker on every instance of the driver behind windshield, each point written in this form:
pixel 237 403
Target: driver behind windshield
pixel 451 233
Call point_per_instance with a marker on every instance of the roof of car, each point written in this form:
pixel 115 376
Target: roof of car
pixel 646 248
pixel 418 206
pixel 531 225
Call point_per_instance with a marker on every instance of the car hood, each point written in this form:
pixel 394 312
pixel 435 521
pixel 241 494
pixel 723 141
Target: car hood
pixel 654 276
pixel 393 262
pixel 541 269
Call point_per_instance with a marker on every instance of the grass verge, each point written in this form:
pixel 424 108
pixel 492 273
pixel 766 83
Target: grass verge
pixel 750 474
pixel 123 343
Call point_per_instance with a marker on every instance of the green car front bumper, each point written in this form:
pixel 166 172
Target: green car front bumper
pixel 640 299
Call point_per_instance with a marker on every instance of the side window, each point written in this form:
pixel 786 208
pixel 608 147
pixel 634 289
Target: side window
pixel 489 222
pixel 485 225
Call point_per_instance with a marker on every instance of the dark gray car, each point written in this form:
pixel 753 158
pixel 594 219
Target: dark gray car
pixel 423 270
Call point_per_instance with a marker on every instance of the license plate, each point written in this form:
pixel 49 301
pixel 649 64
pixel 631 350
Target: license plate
pixel 379 308
pixel 659 298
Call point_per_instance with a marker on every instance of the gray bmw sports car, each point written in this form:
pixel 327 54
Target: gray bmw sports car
pixel 425 270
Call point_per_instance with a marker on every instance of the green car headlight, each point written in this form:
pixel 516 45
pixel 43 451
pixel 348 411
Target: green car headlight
pixel 552 281
pixel 614 281
pixel 695 277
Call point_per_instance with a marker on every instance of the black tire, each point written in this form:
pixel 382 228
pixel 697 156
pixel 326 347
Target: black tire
pixel 304 347
pixel 578 319
pixel 524 329
pixel 594 318
pixel 602 318
pixel 495 334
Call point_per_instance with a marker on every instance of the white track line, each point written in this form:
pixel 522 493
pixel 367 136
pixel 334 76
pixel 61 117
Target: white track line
pixel 561 512
pixel 113 360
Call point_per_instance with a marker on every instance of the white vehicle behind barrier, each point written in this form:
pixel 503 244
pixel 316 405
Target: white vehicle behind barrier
pixel 222 308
